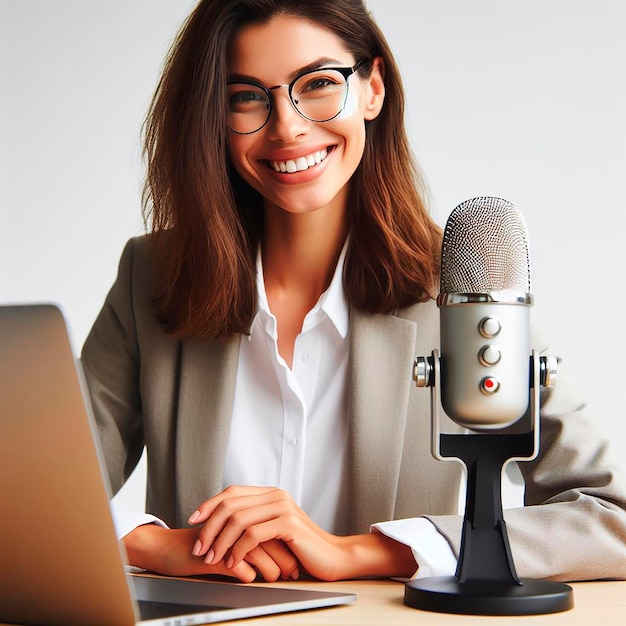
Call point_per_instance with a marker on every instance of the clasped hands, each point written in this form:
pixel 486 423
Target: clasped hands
pixel 246 532
pixel 264 527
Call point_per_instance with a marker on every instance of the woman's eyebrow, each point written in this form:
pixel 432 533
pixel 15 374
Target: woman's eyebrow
pixel 314 65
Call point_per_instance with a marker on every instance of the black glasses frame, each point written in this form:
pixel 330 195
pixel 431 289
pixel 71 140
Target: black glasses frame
pixel 346 72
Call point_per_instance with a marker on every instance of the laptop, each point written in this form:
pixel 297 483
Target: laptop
pixel 60 561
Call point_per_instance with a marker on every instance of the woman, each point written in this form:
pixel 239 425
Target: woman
pixel 262 336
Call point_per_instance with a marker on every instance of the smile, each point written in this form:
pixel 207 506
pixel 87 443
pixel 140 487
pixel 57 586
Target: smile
pixel 300 164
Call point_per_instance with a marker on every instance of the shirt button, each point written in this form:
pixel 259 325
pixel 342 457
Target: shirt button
pixel 294 441
pixel 306 357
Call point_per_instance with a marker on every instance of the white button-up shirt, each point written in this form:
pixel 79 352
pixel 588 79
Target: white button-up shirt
pixel 289 427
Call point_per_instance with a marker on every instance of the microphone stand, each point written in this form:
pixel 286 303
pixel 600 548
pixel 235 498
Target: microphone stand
pixel 485 582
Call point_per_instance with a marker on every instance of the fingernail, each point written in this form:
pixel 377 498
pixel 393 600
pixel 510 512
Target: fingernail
pixel 295 575
pixel 209 556
pixel 193 517
pixel 197 548
pixel 229 562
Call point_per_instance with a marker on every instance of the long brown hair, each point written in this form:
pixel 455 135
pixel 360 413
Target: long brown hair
pixel 206 221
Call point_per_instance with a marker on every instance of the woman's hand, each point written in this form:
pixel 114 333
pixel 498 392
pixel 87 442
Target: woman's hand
pixel 239 519
pixel 169 552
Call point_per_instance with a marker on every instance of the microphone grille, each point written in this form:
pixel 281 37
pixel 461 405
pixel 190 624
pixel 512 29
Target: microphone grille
pixel 485 248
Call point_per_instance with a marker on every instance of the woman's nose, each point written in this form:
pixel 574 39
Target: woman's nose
pixel 285 123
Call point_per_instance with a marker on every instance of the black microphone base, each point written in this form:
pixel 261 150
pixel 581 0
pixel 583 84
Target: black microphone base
pixel 445 594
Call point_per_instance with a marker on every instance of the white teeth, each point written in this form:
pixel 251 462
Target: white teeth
pixel 300 164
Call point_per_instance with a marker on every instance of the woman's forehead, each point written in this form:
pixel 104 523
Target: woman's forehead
pixel 275 50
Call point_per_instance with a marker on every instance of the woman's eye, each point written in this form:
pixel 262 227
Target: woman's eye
pixel 245 96
pixel 241 99
pixel 321 83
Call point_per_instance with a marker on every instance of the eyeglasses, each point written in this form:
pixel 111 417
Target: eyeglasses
pixel 317 95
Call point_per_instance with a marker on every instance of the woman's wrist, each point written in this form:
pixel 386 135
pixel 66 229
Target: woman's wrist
pixel 141 545
pixel 376 555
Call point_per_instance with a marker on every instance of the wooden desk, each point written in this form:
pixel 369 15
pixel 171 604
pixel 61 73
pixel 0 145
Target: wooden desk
pixel 380 603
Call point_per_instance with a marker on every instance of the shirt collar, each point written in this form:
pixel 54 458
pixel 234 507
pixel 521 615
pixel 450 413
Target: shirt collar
pixel 332 302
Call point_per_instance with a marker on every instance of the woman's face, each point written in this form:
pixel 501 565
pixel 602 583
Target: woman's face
pixel 324 154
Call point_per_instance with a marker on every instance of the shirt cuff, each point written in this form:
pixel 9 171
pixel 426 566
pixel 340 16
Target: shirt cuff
pixel 126 520
pixel 431 550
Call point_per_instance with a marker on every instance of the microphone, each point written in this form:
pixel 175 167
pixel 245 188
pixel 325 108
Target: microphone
pixel 487 379
pixel 485 305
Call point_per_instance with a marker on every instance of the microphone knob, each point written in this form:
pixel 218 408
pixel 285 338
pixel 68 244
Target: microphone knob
pixel 489 326
pixel 548 366
pixel 423 371
pixel 489 355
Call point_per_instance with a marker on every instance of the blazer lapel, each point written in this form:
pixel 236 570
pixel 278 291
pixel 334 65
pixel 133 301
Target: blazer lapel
pixel 207 386
pixel 381 361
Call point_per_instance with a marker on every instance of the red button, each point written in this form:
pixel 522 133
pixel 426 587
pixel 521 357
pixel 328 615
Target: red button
pixel 489 385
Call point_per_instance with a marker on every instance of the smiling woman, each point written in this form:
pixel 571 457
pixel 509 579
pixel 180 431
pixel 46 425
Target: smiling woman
pixel 253 53
pixel 259 341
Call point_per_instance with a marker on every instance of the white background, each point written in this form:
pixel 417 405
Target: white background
pixel 522 99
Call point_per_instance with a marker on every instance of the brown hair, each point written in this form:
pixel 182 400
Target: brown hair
pixel 206 221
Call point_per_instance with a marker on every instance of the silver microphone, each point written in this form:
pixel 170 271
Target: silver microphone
pixel 484 303
pixel 487 379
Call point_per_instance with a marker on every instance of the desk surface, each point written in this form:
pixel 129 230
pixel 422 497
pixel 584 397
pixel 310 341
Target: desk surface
pixel 380 602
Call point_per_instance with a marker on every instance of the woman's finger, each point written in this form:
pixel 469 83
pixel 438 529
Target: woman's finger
pixel 263 563
pixel 204 511
pixel 259 534
pixel 318 553
pixel 245 521
pixel 231 516
pixel 283 557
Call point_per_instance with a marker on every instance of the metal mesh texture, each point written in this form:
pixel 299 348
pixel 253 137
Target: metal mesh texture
pixel 485 248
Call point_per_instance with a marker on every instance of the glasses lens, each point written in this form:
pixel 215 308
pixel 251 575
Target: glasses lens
pixel 249 107
pixel 320 95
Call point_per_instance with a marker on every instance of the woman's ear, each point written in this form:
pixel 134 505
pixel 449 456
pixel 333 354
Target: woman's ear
pixel 375 95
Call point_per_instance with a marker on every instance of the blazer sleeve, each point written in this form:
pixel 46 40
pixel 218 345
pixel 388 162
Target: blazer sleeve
pixel 110 360
pixel 573 523
pixel 150 390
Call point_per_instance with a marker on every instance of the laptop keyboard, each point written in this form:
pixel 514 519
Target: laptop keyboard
pixel 153 610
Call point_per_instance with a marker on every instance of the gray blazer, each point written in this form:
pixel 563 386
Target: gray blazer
pixel 175 398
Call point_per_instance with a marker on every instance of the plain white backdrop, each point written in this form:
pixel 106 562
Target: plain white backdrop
pixel 522 99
